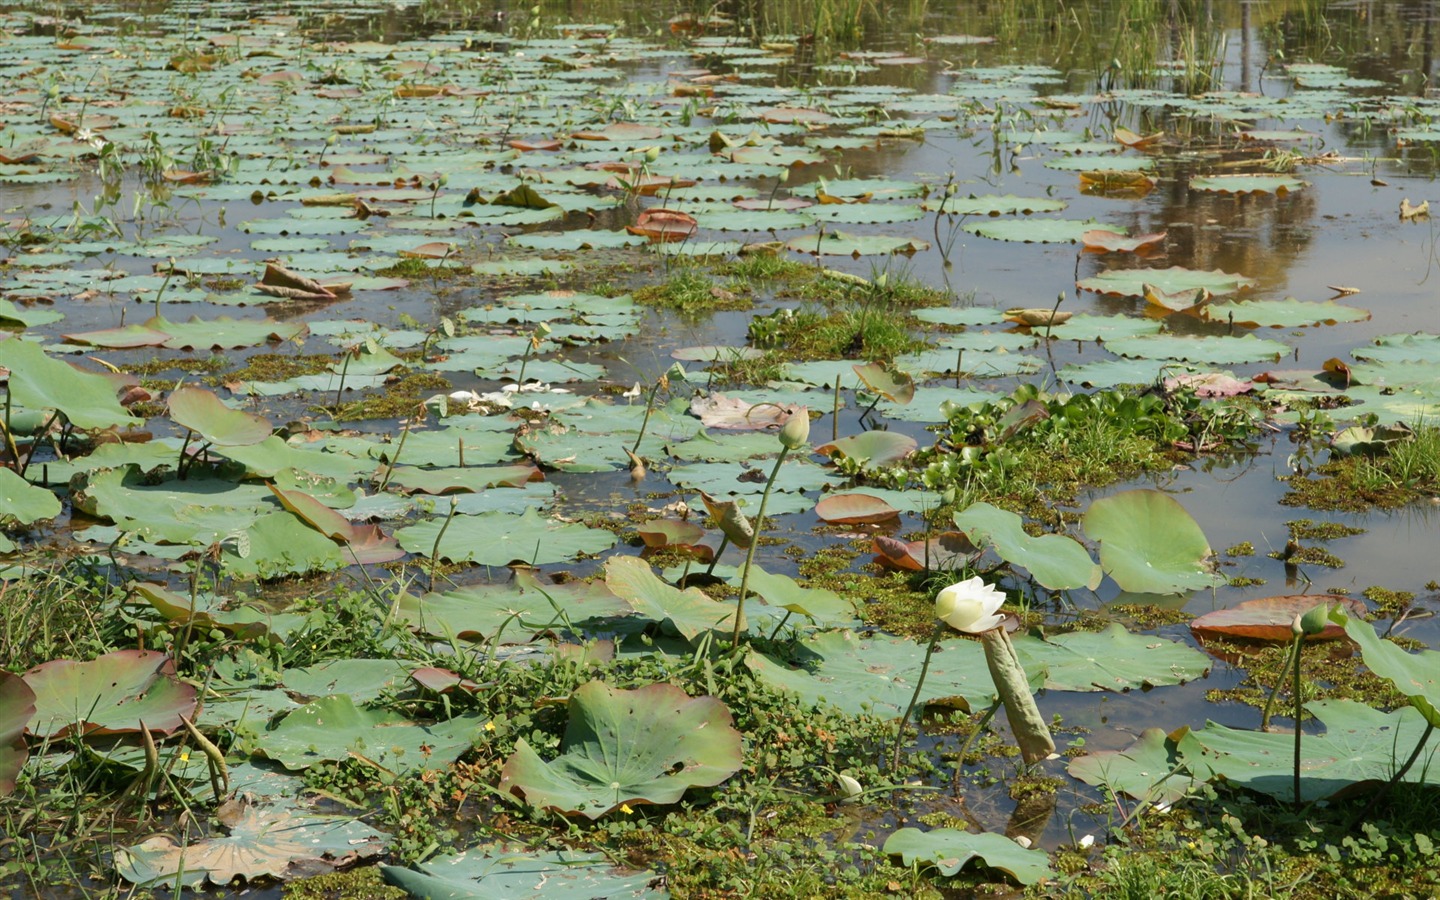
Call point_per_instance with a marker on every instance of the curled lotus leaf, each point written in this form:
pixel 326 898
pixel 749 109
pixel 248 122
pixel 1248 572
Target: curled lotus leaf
pixel 871 448
pixel 690 612
pixel 855 509
pixel 949 849
pixel 17 706
pixel 1269 618
pixel 887 381
pixel 37 382
pixel 207 415
pixel 648 745
pixel 23 502
pixel 1056 561
pixel 124 691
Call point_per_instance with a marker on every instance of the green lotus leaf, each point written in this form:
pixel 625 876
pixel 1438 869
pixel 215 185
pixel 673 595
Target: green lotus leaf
pixel 737 478
pixel 1279 185
pixel 498 539
pixel 1416 675
pixel 123 691
pixel 362 680
pixel 1401 348
pixel 22 502
pixel 1039 230
pixel 471 479
pixel 841 243
pixel 871 448
pixel 876 675
pixel 647 745
pixel 280 543
pixel 11 315
pixel 852 188
pixel 334 728
pixel 1151 769
pixel 822 606
pixel 498 871
pixel 1131 282
pixel 224 332
pixel 1361 748
pixel 513 611
pixel 1103 164
pixel 1056 561
pixel 690 612
pixel 1287 313
pixel 978 363
pixel 949 849
pixel 1112 372
pixel 1213 349
pixel 205 414
pixel 962 315
pixel 994 205
pixel 1149 543
pixel 204 610
pixel 262 843
pixel 887 381
pixel 1109 660
pixel 38 382
pixel 17 707
pixel 1103 328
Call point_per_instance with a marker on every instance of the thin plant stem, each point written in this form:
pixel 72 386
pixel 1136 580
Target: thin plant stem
pixel 724 542
pixel 1299 710
pixel 435 549
pixel 645 422
pixel 755 542
pixel 915 697
pixel 970 741
pixel 1270 701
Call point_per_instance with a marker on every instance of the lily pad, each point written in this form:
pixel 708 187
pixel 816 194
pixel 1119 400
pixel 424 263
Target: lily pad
pixel 202 412
pixel 1131 282
pixel 1213 349
pixel 1152 769
pixel 1040 231
pixel 1149 543
pixel 1279 185
pixel 949 849
pixel 1056 561
pixel 22 502
pixel 498 539
pixel 690 612
pixel 871 448
pixel 17 707
pixel 1287 313
pixel 123 691
pixel 1109 660
pixel 262 843
pixel 497 871
pixel 38 382
pixel 333 728
pixel 648 745
pixel 1269 618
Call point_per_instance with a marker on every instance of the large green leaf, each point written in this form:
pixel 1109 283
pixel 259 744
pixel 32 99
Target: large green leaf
pixel 498 539
pixel 1151 769
pixel 514 610
pixel 1287 313
pixel 648 745
pixel 690 612
pixel 17 707
pixel 1149 543
pixel 1360 748
pixel 39 382
pixel 1109 660
pixel 820 605
pixel 871 448
pixel 203 413
pixel 877 674
pixel 1039 230
pixel 1214 349
pixel 1131 282
pixel 949 849
pixel 123 691
pixel 1056 561
pixel 22 502
pixel 334 728
pixel 1416 675
pixel 490 872
pixel 262 843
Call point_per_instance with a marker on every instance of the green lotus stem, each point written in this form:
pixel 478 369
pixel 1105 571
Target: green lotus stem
pixel 835 416
pixel 724 542
pixel 645 422
pixel 163 285
pixel 344 368
pixel 1032 735
pixel 435 548
pixel 1050 323
pixel 214 759
pixel 750 553
pixel 970 741
pixel 915 697
pixel 1270 701
pixel 1299 710
pixel 395 457
pixel 788 613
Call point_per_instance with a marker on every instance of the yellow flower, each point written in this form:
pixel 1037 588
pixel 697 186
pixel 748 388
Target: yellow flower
pixel 489 726
pixel 625 808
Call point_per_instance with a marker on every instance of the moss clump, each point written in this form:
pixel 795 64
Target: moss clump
pixel 355 884
pixel 274 367
pixel 1244 548
pixel 1307 530
pixel 399 399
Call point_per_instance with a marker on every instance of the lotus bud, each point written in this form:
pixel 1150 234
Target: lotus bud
pixel 1297 628
pixel 797 430
pixel 849 787
pixel 652 154
pixel 784 176
pixel 1313 622
pixel 332 140
pixel 543 330
pixel 676 372
pixel 970 606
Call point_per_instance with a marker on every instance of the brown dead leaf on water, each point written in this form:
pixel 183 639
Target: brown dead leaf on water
pixel 1410 213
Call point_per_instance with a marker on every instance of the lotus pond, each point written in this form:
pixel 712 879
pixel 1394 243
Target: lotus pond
pixel 461 451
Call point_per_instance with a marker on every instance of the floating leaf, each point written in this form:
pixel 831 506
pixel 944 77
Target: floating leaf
pixel 947 550
pixel 513 611
pixel 498 539
pixel 1056 561
pixel 1110 660
pixel 1151 770
pixel 123 691
pixel 949 849
pixel 720 411
pixel 498 871
pixel 889 382
pixel 1213 349
pixel 854 509
pixel 840 243
pixel 22 502
pixel 1040 231
pixel 1131 282
pixel 1279 185
pixel 38 382
pixel 1287 313
pixel 1105 241
pixel 621 747
pixel 1269 618
pixel 817 604
pixel 334 728
pixel 1149 543
pixel 262 843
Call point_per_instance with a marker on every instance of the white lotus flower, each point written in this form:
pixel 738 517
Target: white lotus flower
pixel 971 606
pixel 1086 842
pixel 850 787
